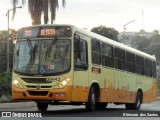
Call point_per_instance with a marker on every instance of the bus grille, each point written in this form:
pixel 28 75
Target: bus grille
pixel 29 86
pixel 38 93
pixel 35 80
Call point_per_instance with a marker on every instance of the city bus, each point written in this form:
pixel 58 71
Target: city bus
pixel 63 64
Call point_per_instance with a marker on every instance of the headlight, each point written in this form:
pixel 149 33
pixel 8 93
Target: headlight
pixel 64 82
pixel 17 84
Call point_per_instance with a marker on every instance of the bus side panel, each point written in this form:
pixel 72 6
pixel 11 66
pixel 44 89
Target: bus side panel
pixel 150 94
pixel 80 86
pixel 107 85
pixel 155 89
pixel 145 83
pixel 125 84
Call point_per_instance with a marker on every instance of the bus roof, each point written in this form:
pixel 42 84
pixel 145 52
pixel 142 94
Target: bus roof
pixel 103 39
pixel 114 43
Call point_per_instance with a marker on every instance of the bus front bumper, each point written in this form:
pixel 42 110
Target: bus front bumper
pixel 40 94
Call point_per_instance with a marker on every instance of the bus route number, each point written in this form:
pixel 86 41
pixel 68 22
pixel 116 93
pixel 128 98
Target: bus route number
pixel 27 33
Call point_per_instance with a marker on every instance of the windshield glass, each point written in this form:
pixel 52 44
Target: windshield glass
pixel 42 57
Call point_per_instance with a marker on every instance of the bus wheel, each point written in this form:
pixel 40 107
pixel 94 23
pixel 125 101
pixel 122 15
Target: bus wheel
pixel 42 106
pixel 90 105
pixel 101 106
pixel 137 104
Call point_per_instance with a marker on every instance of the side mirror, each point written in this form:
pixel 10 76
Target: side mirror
pixel 17 52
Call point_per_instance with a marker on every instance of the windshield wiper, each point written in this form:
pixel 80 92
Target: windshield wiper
pixel 49 48
pixel 29 43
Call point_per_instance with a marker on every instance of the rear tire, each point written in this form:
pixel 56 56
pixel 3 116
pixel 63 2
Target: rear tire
pixel 90 105
pixel 42 106
pixel 137 104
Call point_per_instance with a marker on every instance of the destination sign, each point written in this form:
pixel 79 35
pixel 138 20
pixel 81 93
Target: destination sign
pixel 41 32
pixel 47 32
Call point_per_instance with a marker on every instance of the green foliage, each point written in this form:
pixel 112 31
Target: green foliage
pixel 155 39
pixel 3 49
pixel 5 86
pixel 154 50
pixel 106 32
pixel 37 8
pixel 142 43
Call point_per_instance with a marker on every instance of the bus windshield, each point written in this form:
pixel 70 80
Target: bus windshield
pixel 42 57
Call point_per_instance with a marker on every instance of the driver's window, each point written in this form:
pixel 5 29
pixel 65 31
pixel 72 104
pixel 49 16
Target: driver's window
pixel 81 54
pixel 83 51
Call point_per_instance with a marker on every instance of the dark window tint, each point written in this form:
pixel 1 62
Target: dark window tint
pixel 96 52
pixel 119 59
pixel 154 69
pixel 148 67
pixel 130 62
pixel 107 55
pixel 140 65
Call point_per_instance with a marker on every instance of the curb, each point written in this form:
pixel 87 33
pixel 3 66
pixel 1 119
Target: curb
pixel 17 105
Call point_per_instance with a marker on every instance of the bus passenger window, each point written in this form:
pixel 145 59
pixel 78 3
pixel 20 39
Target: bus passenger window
pixel 154 69
pixel 130 62
pixel 96 52
pixel 140 65
pixel 107 55
pixel 120 59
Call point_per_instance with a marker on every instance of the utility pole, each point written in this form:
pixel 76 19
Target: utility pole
pixel 142 19
pixel 8 51
pixel 124 32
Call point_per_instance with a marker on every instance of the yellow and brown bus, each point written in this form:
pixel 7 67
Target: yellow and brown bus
pixel 63 64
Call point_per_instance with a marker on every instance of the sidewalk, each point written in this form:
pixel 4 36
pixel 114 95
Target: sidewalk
pixel 17 105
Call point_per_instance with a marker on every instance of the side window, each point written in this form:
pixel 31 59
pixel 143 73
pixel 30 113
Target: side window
pixel 81 54
pixel 107 55
pixel 96 52
pixel 139 65
pixel 130 62
pixel 148 68
pixel 119 59
pixel 154 69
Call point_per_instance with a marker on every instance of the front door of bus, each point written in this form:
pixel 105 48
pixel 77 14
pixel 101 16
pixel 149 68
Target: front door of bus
pixel 80 82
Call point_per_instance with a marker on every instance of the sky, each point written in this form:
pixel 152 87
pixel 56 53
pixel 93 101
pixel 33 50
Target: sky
pixel 92 13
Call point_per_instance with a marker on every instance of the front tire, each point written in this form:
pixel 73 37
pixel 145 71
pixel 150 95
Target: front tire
pixel 42 106
pixel 137 104
pixel 90 105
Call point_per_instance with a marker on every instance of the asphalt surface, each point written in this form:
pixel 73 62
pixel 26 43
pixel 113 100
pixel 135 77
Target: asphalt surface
pixel 22 105
pixel 17 105
pixel 78 112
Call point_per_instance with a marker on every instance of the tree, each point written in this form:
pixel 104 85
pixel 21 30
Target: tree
pixel 3 49
pixel 5 77
pixel 37 7
pixel 106 32
pixel 142 43
pixel 155 51
pixel 155 38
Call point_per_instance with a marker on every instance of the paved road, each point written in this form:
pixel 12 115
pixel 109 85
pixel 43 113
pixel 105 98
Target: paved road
pixel 78 112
